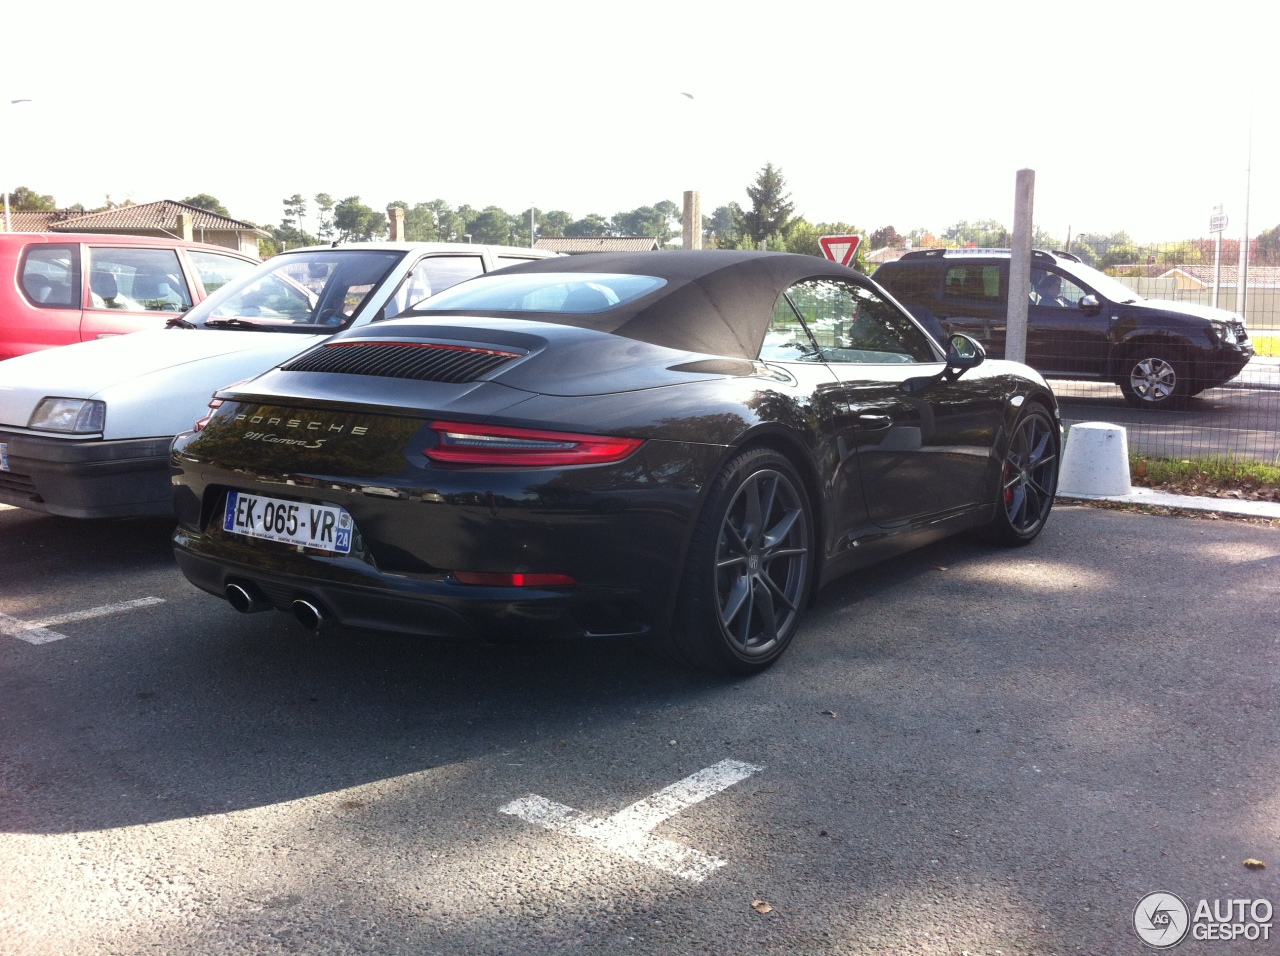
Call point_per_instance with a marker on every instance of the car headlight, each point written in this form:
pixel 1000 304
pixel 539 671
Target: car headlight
pixel 78 416
pixel 1224 332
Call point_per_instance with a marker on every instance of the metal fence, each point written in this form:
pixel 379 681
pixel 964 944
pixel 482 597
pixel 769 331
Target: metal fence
pixel 1240 419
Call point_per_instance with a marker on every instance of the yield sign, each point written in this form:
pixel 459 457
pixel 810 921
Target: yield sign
pixel 840 248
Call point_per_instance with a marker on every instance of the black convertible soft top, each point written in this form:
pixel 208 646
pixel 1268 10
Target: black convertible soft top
pixel 718 302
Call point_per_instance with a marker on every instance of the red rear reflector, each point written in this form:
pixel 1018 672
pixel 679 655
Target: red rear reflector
pixel 494 580
pixel 463 443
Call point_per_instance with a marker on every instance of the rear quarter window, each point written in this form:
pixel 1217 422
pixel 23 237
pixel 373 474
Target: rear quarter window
pixel 50 276
pixel 910 282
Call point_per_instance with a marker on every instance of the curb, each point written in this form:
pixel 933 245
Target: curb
pixel 1146 496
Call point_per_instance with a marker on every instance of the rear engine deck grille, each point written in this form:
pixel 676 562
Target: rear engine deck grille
pixel 455 364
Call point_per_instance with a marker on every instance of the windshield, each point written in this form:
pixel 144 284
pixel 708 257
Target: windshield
pixel 320 290
pixel 563 292
pixel 1101 283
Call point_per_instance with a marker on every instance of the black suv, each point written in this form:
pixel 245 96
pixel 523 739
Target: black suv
pixel 1081 324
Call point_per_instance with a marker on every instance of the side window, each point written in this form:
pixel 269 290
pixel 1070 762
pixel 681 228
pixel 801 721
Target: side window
pixel 429 276
pixel 854 324
pixel 975 282
pixel 137 280
pixel 1054 290
pixel 215 271
pixel 787 340
pixel 915 282
pixel 51 276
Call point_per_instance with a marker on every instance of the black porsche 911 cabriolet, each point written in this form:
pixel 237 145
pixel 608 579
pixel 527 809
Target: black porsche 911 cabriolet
pixel 676 445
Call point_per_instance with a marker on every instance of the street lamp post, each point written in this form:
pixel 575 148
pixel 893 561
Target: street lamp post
pixel 6 188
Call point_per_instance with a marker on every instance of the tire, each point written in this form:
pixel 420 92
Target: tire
pixel 749 569
pixel 1028 479
pixel 1156 376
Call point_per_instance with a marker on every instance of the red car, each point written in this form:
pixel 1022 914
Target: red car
pixel 60 288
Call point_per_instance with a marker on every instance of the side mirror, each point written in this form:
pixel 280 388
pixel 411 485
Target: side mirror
pixel 1090 305
pixel 964 353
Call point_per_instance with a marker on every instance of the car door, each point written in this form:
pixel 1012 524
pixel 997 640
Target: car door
pixel 974 301
pixel 920 452
pixel 1061 336
pixel 432 273
pixel 47 309
pixel 131 288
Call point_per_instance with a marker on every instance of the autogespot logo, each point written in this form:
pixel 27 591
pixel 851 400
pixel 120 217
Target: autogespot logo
pixel 1161 920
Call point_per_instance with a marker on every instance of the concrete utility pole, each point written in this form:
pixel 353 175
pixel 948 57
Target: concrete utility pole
pixel 1015 336
pixel 692 219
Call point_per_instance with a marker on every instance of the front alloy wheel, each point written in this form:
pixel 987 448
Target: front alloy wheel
pixel 1028 479
pixel 1155 378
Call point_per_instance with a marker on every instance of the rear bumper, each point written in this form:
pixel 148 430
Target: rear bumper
pixel 87 479
pixel 428 608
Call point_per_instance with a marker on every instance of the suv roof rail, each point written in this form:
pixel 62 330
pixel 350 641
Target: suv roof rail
pixel 975 251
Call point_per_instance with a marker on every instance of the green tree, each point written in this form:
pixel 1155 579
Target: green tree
pixel 355 221
pixel 984 234
pixel 552 224
pixel 771 206
pixel 886 237
pixel 23 199
pixel 589 226
pixel 723 228
pixel 324 207
pixel 491 225
pixel 208 203
pixel 295 207
pixel 661 220
pixel 1266 248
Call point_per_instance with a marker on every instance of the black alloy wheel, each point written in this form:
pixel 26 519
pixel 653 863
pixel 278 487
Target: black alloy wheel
pixel 749 568
pixel 1156 377
pixel 1028 479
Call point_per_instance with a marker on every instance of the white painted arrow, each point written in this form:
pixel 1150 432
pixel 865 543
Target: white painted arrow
pixel 629 832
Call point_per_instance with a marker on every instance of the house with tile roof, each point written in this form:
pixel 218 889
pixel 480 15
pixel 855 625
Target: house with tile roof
pixel 164 218
pixel 572 246
pixel 1201 277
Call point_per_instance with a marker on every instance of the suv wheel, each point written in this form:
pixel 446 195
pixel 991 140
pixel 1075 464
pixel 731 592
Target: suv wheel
pixel 1156 376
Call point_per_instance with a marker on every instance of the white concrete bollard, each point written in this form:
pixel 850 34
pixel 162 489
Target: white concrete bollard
pixel 1095 462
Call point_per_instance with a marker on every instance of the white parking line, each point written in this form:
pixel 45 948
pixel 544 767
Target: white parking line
pixel 39 632
pixel 629 831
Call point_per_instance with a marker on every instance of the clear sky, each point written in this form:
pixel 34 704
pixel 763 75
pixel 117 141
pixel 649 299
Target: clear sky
pixel 1134 116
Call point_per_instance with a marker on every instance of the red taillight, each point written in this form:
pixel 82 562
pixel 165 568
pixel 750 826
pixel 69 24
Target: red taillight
pixel 466 444
pixel 214 405
pixel 494 580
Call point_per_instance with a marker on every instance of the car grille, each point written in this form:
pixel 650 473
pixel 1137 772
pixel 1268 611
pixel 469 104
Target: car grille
pixel 19 484
pixel 425 362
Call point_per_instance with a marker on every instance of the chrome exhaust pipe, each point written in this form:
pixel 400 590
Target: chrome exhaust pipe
pixel 246 599
pixel 308 615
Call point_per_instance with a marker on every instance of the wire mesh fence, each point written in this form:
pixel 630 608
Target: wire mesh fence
pixel 1239 418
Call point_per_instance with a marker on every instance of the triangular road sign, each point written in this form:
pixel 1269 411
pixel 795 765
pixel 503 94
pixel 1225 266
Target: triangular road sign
pixel 840 248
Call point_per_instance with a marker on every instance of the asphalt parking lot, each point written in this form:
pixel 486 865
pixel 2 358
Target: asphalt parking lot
pixel 967 750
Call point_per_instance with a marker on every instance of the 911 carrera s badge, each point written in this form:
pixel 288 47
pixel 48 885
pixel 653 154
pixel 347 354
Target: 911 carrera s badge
pixel 277 440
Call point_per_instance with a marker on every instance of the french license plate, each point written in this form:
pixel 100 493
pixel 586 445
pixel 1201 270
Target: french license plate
pixel 4 456
pixel 325 527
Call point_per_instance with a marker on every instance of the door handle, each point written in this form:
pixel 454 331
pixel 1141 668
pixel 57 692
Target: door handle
pixel 875 422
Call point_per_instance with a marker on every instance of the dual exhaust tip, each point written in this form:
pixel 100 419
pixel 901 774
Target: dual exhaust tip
pixel 247 599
